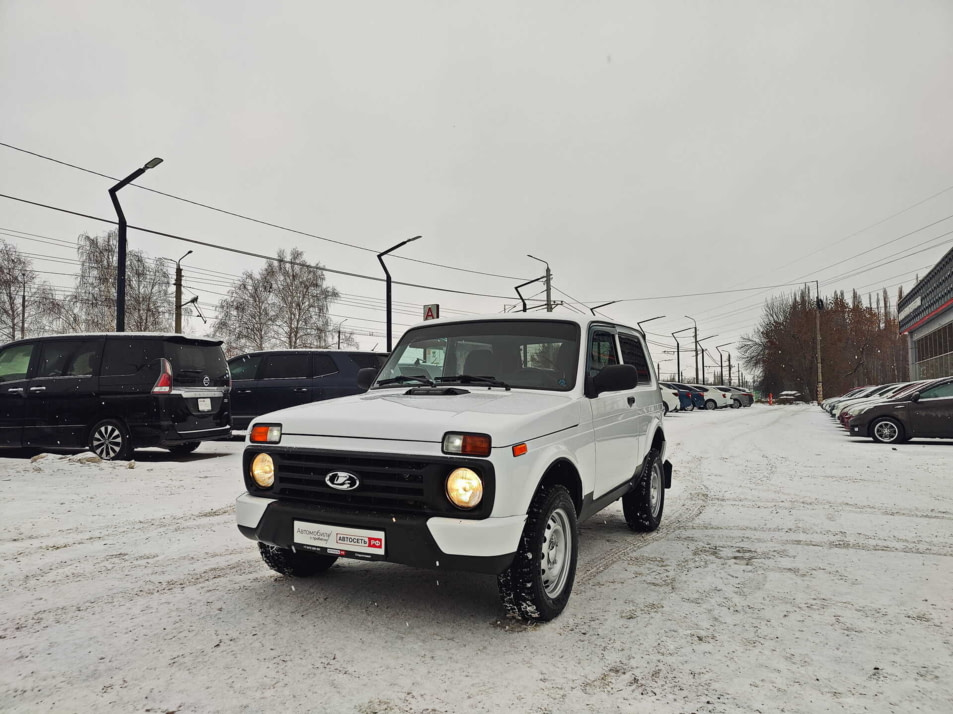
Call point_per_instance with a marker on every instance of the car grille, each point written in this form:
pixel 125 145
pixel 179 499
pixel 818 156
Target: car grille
pixel 387 484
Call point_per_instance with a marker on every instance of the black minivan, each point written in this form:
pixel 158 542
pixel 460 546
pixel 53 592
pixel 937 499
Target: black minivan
pixel 264 382
pixel 112 393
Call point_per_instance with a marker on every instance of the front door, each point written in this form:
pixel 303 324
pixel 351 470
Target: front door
pixel 932 415
pixel 14 367
pixel 284 381
pixel 614 434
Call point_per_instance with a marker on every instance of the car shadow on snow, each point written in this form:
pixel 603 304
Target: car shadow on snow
pixel 142 455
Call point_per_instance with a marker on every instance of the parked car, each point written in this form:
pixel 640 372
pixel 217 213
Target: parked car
pixel 697 396
pixel 715 397
pixel 267 381
pixel 924 412
pixel 789 397
pixel 739 397
pixel 113 393
pixel 831 405
pixel 670 398
pixel 847 409
pixel 534 423
pixel 685 402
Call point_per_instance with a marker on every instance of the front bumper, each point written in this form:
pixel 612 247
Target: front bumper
pixel 482 546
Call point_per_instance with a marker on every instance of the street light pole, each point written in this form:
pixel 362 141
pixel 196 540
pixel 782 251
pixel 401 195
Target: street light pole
pixel 703 356
pixel 819 304
pixel 721 365
pixel 678 353
pixel 549 283
pixel 657 317
pixel 380 258
pixel 339 331
pixel 696 348
pixel 178 293
pixel 121 234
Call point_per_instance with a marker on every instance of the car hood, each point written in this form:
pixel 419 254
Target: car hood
pixel 507 416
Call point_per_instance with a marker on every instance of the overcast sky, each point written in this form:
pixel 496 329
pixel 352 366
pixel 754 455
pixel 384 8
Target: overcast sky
pixel 644 149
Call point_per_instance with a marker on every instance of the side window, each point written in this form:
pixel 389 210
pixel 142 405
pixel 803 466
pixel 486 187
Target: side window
pixel 365 361
pixel 324 365
pixel 14 362
pixel 293 366
pixel 124 357
pixel 602 352
pixel 68 358
pixel 634 354
pixel 939 391
pixel 244 366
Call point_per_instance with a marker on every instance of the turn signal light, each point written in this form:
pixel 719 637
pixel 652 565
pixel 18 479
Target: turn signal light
pixel 466 444
pixel 265 434
pixel 520 449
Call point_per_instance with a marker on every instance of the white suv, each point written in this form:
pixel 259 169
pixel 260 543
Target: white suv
pixel 480 445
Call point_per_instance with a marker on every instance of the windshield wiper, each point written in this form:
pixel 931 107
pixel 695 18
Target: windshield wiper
pixel 473 379
pixel 400 379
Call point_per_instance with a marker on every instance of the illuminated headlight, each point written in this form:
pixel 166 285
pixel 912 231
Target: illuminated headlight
pixel 464 488
pixel 263 470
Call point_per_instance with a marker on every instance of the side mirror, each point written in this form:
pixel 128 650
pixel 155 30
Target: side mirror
pixel 915 397
pixel 366 377
pixel 614 378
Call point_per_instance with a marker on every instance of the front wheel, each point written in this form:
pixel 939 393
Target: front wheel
pixel 110 441
pixel 292 563
pixel 887 431
pixel 539 581
pixel 710 405
pixel 643 506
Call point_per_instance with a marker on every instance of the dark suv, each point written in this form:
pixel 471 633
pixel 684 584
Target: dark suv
pixel 112 393
pixel 265 382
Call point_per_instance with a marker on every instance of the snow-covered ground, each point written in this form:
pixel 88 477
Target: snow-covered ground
pixel 796 570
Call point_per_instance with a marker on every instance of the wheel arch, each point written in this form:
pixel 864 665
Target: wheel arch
pixel 564 473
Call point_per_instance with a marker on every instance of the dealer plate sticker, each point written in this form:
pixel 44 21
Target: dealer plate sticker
pixel 205 404
pixel 340 540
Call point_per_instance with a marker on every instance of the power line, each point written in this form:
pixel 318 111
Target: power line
pixel 255 220
pixel 238 251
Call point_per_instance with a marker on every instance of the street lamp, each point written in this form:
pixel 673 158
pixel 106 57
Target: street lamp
pixel 178 293
pixel 678 352
pixel 549 283
pixel 703 353
pixel 657 317
pixel 121 263
pixel 339 331
pixel 380 258
pixel 696 347
pixel 721 366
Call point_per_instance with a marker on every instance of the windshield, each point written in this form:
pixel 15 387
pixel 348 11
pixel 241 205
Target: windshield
pixel 520 354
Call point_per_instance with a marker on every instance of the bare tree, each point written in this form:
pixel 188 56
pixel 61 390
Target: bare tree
pixel 285 304
pixel 25 303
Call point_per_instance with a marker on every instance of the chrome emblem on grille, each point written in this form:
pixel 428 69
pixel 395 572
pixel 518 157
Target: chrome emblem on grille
pixel 342 480
pixel 206 381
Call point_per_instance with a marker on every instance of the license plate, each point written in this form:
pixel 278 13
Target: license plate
pixel 205 404
pixel 340 540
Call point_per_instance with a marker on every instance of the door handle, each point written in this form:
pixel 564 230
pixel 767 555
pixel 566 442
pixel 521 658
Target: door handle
pixel 16 389
pixel 301 389
pixel 242 391
pixel 37 389
pixel 631 401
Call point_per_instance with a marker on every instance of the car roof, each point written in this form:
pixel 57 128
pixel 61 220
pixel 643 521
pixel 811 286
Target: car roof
pixel 582 320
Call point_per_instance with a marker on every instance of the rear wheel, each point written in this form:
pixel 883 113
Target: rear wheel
pixel 292 563
pixel 643 506
pixel 109 440
pixel 735 403
pixel 887 431
pixel 710 405
pixel 665 404
pixel 538 583
pixel 690 407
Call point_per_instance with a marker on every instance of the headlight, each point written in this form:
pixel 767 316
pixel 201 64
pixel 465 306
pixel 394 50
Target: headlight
pixel 466 444
pixel 464 488
pixel 265 434
pixel 263 470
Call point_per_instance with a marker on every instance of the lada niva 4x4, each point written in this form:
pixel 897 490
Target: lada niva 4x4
pixel 479 445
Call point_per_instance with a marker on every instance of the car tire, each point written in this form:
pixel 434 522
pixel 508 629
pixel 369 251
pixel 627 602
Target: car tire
pixel 887 431
pixel 736 404
pixel 539 581
pixel 109 440
pixel 690 407
pixel 183 449
pixel 292 563
pixel 665 404
pixel 643 506
pixel 710 405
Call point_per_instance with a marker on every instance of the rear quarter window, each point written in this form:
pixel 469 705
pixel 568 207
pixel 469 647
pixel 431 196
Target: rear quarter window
pixel 123 357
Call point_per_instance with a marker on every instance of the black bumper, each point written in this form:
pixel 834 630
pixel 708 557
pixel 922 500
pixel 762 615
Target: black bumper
pixel 408 540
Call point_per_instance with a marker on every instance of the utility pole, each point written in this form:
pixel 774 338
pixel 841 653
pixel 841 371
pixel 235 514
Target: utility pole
pixel 696 347
pixel 678 353
pixel 380 259
pixel 549 283
pixel 729 368
pixel 819 304
pixel 23 307
pixel 339 331
pixel 178 293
